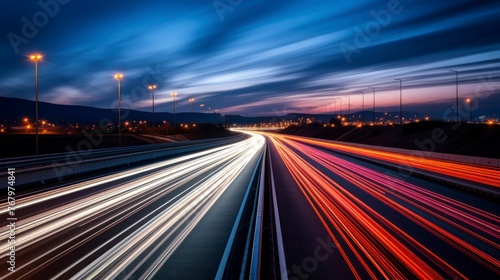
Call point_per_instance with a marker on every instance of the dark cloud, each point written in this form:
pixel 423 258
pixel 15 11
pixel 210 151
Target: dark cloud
pixel 263 57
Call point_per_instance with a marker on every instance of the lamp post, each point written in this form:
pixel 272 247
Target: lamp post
pixel 174 94
pixel 469 101
pixel 202 116
pixel 340 109
pixel 340 98
pixel 363 108
pixel 400 100
pixel 456 87
pixel 349 109
pixel 192 103
pixel 152 89
pixel 374 114
pixel 119 77
pixel 36 58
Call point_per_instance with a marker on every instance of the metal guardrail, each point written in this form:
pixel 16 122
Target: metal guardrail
pixel 27 161
pixel 257 235
pixel 232 236
pixel 444 179
pixel 35 169
pixel 256 255
pixel 492 162
pixel 277 225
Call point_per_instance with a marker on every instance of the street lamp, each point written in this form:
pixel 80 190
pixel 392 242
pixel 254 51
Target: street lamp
pixel 119 77
pixel 363 119
pixel 400 100
pixel 374 114
pixel 174 94
pixel 340 110
pixel 362 107
pixel 469 101
pixel 349 109
pixel 152 89
pixel 36 58
pixel 192 103
pixel 456 86
pixel 201 106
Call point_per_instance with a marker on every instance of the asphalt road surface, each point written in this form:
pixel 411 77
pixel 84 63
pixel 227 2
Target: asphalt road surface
pixel 345 218
pixel 341 216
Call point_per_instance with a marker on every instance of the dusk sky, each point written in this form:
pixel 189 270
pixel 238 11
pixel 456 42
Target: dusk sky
pixel 253 57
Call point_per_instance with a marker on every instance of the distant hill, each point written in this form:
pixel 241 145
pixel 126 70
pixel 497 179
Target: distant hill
pixel 13 110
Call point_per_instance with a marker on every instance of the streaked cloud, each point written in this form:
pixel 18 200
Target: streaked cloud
pixel 264 56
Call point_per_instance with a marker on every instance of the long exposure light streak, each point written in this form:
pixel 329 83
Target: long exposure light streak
pixel 177 193
pixel 370 242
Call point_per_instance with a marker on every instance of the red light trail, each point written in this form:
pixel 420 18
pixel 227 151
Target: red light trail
pixel 370 241
pixel 474 173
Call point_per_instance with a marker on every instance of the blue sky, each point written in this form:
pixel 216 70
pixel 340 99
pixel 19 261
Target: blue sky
pixel 254 57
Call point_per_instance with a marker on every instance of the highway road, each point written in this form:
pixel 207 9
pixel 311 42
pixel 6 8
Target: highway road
pixel 346 218
pixel 139 222
pixel 295 207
